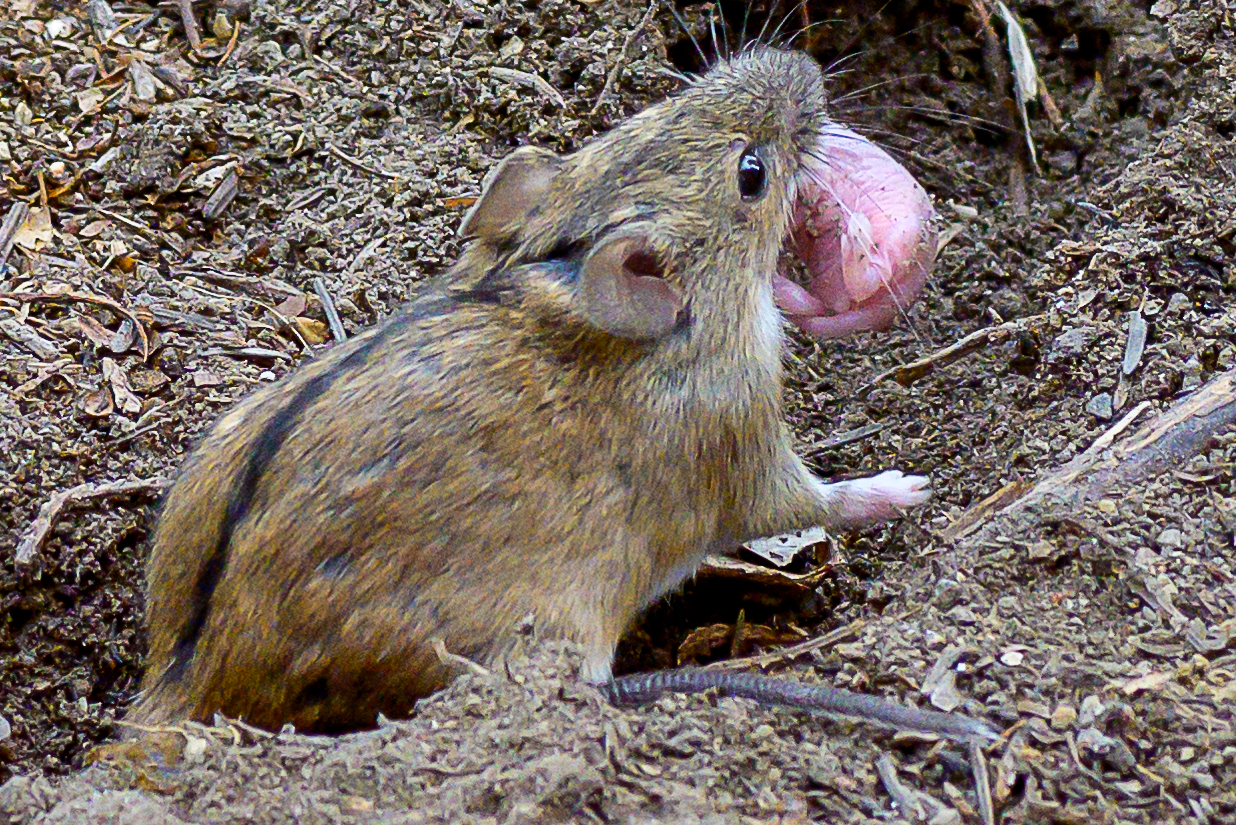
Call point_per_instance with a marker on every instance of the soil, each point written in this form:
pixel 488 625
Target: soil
pixel 183 204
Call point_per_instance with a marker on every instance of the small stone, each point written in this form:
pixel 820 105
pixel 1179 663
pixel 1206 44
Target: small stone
pixel 266 375
pixel 1091 709
pixel 1187 753
pixel 1178 301
pixel 1071 342
pixel 1063 717
pixel 761 733
pixel 1100 406
pixel 1170 539
pixel 1163 9
pixel 962 615
pixel 6 730
pixel 1012 658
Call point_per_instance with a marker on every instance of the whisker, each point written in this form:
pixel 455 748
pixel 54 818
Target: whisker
pixel 685 30
pixel 939 115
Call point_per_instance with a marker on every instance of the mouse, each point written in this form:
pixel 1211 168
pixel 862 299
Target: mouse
pixel 559 428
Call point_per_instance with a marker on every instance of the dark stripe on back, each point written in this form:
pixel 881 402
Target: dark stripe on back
pixel 264 449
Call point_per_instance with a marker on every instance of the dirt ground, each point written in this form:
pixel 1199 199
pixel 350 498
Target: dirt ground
pixel 173 208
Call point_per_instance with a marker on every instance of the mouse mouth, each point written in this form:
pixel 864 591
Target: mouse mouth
pixel 861 225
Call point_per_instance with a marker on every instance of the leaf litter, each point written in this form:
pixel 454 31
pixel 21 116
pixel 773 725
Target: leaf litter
pixel 194 194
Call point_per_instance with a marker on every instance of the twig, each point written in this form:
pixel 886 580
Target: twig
pixel 982 784
pixel 621 62
pixel 8 231
pixel 366 251
pixel 140 228
pixel 902 796
pixel 907 374
pixel 89 299
pixel 850 436
pixel 1105 440
pixel 231 44
pixel 190 23
pixel 35 537
pixel 351 161
pixel 535 81
pixel 1167 441
pixel 259 353
pixel 332 314
pixel 787 654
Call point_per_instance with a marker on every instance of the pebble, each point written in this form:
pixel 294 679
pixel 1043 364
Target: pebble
pixel 962 615
pixel 1091 709
pixel 1063 717
pixel 1100 406
pixel 1170 538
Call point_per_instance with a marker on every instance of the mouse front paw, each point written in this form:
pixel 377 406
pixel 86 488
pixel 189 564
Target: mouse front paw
pixel 900 490
pixel 877 498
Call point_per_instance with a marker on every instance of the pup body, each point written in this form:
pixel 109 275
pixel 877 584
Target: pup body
pixel 563 426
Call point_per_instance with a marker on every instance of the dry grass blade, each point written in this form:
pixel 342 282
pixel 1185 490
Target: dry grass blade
pixel 530 80
pixel 13 221
pixel 1025 75
pixel 332 314
pixel 788 654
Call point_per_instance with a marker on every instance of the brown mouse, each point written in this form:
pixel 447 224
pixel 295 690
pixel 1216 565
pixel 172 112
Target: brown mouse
pixel 563 426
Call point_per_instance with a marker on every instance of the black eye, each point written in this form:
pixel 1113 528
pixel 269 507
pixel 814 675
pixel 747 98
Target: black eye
pixel 751 175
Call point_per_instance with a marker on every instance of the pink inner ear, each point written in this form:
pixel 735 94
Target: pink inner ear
pixel 644 263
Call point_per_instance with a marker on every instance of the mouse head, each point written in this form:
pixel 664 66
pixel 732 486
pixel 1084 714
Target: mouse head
pixel 668 228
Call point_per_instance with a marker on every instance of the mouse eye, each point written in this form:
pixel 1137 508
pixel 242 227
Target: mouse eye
pixel 751 175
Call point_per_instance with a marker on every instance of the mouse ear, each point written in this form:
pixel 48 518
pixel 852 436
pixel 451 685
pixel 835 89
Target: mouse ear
pixel 510 190
pixel 623 287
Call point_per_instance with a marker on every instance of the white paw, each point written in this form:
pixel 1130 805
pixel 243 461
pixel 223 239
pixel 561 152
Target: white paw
pixel 900 490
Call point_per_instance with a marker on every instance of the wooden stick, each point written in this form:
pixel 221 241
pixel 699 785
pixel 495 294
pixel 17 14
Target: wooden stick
pixel 907 374
pixel 1166 441
pixel 35 537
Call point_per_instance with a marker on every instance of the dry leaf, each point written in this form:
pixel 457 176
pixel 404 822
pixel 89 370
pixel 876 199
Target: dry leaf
pixel 37 231
pixel 147 381
pixel 701 642
pixel 781 550
pixel 314 332
pixel 125 399
pixel 95 332
pixel 94 228
pixel 98 403
pixel 123 339
pixel 293 306
pixel 28 338
pixel 144 85
pixel 1151 681
pixel 205 378
pixel 90 99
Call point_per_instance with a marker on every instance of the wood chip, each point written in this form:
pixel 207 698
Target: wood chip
pixel 221 198
pixel 24 335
